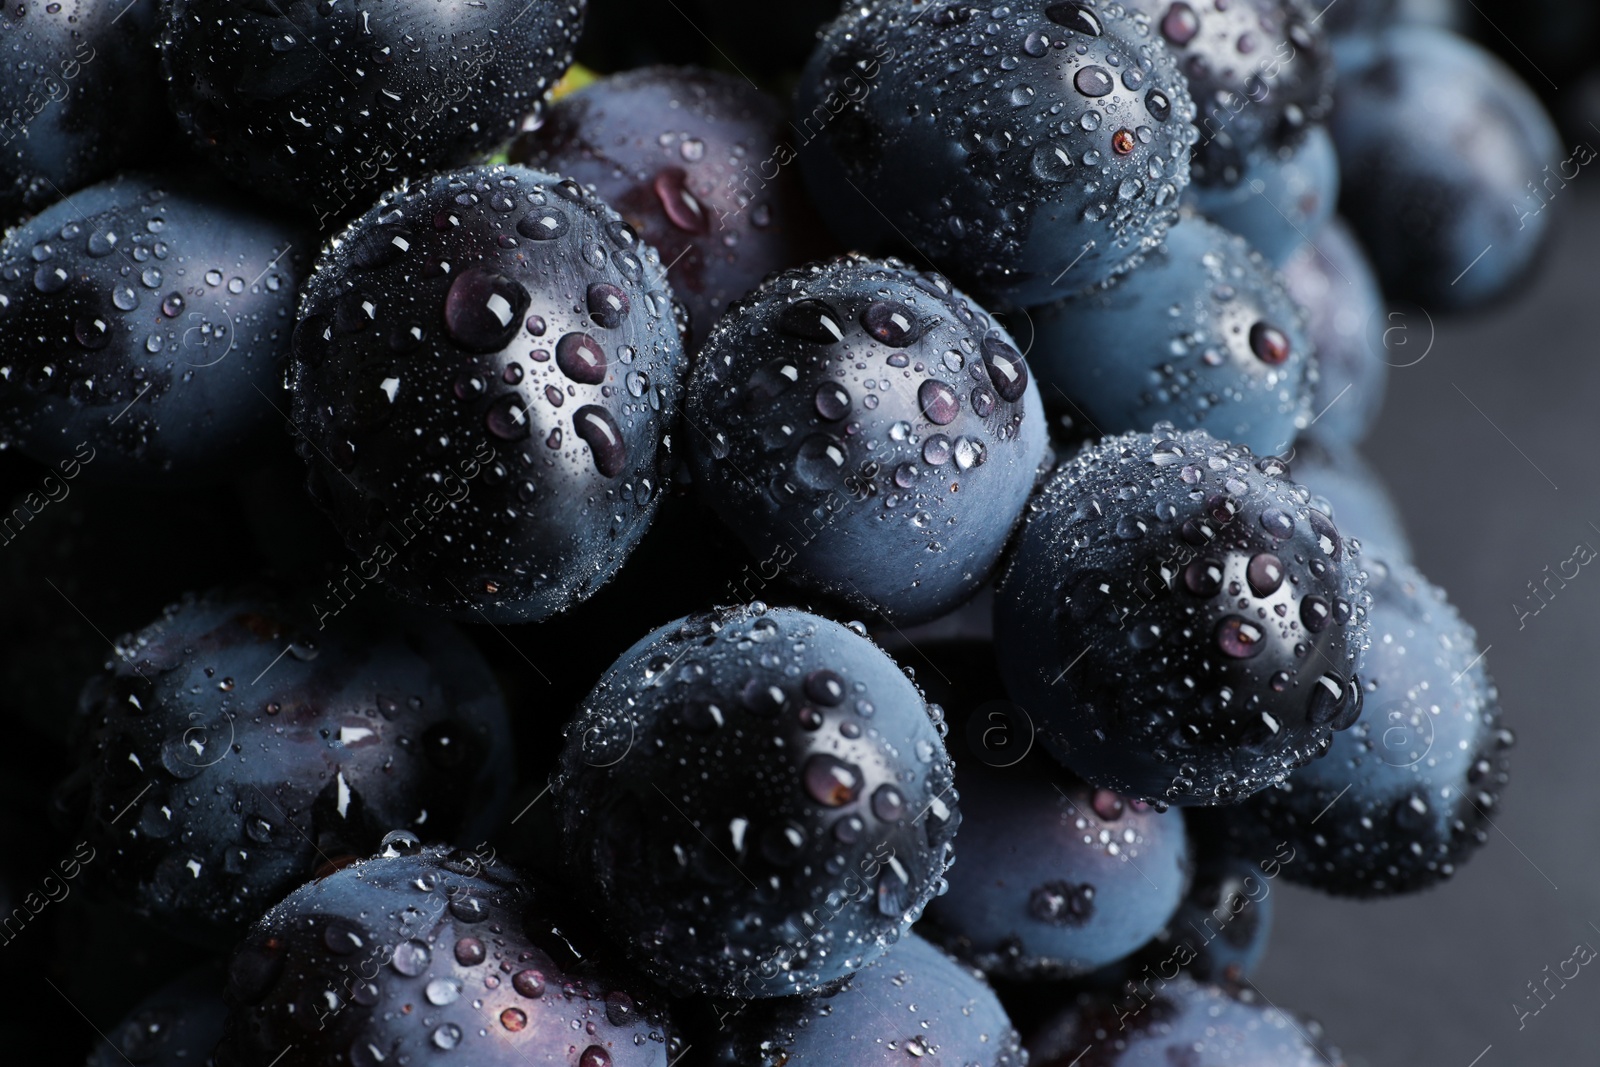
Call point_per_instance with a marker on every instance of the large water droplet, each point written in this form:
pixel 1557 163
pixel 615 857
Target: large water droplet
pixel 597 428
pixel 608 305
pixel 811 320
pixel 1270 344
pixel 831 781
pixel 1007 369
pixel 1093 81
pixel 1265 574
pixel 544 224
pixel 581 358
pixel 507 418
pixel 1240 638
pixel 682 208
pixel 939 402
pixel 832 401
pixel 1053 163
pixel 1180 24
pixel 411 958
pixel 1075 17
pixel 820 461
pixel 891 323
pixel 484 310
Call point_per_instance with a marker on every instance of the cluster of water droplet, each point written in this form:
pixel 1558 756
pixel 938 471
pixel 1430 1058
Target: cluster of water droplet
pixel 143 317
pixel 1406 795
pixel 1032 149
pixel 427 952
pixel 235 748
pixel 322 105
pixel 486 369
pixel 1260 73
pixel 867 423
pixel 757 802
pixel 1057 878
pixel 1202 335
pixel 83 98
pixel 912 1005
pixel 699 162
pixel 1179 620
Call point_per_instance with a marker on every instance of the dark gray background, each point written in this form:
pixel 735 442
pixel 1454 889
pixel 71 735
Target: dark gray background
pixel 1489 499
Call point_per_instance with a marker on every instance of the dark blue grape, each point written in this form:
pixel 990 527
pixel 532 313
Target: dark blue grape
pixel 911 1005
pixel 485 391
pixel 869 432
pixel 426 951
pixel 1406 797
pixel 1284 197
pixel 756 802
pixel 1057 878
pixel 1031 156
pixel 1175 617
pixel 144 327
pixel 1202 334
pixel 323 105
pixel 1162 1023
pixel 1445 157
pixel 238 744
pixel 697 162
pixel 1355 338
